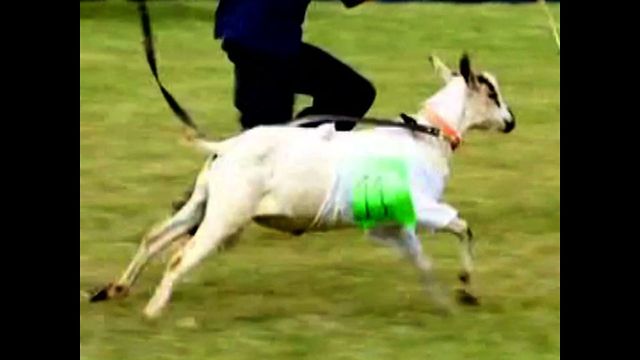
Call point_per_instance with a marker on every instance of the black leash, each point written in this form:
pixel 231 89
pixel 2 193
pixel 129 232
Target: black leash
pixel 408 123
pixel 151 59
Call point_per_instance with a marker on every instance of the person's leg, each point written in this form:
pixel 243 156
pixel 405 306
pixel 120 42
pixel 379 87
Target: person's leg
pixel 264 87
pixel 336 88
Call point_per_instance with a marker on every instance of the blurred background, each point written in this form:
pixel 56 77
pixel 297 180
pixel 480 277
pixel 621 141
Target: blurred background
pixel 334 295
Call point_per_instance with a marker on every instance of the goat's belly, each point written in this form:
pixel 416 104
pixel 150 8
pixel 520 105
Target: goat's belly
pixel 284 223
pixel 289 211
pixel 293 199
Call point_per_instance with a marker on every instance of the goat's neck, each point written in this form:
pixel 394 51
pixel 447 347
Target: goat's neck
pixel 449 103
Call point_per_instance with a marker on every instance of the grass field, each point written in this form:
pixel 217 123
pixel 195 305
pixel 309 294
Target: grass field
pixel 330 296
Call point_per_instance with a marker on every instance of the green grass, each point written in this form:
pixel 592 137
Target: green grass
pixel 336 295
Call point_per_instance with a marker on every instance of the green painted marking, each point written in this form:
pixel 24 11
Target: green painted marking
pixel 381 192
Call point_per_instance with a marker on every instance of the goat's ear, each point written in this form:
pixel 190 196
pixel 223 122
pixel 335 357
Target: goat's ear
pixel 440 68
pixel 465 70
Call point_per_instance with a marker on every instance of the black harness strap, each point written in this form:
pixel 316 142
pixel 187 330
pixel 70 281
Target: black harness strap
pixel 408 123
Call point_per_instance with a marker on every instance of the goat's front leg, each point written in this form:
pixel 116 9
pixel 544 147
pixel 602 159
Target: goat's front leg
pixel 412 248
pixel 461 229
pixel 441 217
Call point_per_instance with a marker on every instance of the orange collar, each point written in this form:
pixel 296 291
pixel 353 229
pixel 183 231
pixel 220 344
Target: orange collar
pixel 450 134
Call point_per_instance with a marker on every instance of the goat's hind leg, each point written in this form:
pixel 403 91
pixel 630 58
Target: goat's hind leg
pixel 209 237
pixel 223 222
pixel 159 239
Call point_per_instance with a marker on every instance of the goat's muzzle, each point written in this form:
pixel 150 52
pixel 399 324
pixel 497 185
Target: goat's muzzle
pixel 510 124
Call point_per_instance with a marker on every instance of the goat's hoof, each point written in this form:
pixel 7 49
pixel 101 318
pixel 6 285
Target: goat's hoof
pixel 110 291
pixel 152 312
pixel 466 298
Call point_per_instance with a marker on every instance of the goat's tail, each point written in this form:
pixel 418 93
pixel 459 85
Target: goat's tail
pixel 207 146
